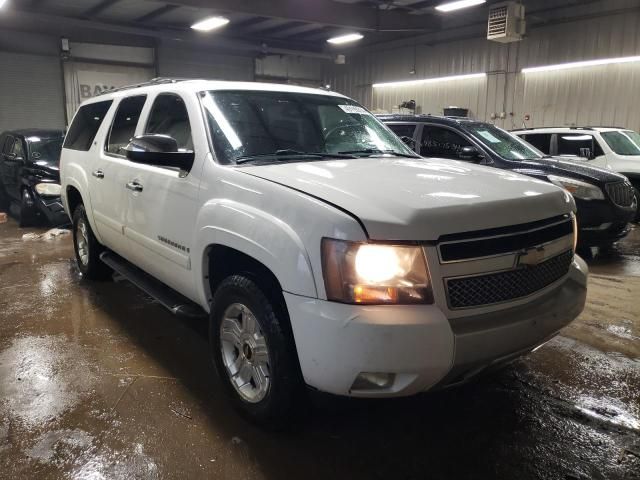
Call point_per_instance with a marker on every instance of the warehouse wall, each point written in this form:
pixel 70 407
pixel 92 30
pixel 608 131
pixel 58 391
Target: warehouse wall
pixel 598 95
pixel 175 60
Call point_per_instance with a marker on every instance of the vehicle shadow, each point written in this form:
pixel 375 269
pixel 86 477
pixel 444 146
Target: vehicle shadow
pixel 487 429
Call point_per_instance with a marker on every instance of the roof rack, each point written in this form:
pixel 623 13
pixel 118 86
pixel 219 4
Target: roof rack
pixel 153 81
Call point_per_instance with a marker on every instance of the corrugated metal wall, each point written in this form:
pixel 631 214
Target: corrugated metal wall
pixel 30 91
pixel 186 62
pixel 596 95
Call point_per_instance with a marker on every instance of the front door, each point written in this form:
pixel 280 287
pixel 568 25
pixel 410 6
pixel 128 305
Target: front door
pixel 161 214
pixel 110 175
pixel 12 164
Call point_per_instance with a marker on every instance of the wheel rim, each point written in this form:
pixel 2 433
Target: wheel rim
pixel 82 242
pixel 245 353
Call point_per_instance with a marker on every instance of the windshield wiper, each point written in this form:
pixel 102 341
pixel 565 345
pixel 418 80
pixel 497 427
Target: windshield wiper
pixel 374 151
pixel 286 154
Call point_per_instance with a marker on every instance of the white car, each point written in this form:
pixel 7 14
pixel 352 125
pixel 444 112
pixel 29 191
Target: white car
pixel 617 149
pixel 324 252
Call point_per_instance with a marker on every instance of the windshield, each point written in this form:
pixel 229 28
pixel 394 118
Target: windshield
pixel 278 126
pixel 46 150
pixel 503 143
pixel 623 143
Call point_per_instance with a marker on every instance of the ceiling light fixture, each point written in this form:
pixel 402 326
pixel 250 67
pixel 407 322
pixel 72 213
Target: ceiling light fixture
pixel 407 83
pixel 2 2
pixel 587 63
pixel 350 37
pixel 451 6
pixel 209 24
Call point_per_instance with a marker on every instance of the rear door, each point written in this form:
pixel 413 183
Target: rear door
pixel 161 213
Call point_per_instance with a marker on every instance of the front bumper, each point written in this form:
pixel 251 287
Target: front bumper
pixel 602 222
pixel 337 342
pixel 50 208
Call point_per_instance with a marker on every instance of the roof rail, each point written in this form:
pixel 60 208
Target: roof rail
pixel 153 81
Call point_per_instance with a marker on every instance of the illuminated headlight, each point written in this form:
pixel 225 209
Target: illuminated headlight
pixel 574 220
pixel 577 188
pixel 370 273
pixel 48 189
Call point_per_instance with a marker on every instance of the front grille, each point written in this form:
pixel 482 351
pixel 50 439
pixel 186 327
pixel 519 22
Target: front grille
pixel 503 240
pixel 504 286
pixel 621 193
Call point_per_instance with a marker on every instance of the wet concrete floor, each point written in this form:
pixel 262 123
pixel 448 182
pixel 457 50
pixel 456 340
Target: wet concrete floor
pixel 97 381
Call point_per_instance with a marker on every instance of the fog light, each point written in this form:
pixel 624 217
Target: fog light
pixel 373 381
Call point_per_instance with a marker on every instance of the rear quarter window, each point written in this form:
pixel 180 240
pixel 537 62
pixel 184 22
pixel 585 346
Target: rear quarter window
pixel 85 125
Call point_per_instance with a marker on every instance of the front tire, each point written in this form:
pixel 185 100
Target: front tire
pixel 87 248
pixel 254 353
pixel 27 216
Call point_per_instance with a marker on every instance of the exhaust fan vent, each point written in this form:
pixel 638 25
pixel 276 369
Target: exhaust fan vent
pixel 506 22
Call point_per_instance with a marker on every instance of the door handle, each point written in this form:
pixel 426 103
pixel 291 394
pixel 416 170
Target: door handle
pixel 134 186
pixel 98 174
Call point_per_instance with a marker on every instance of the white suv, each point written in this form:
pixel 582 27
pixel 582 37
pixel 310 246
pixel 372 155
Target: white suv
pixel 617 149
pixel 323 250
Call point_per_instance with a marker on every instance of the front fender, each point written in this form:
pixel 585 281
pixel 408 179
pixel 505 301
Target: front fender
pixel 259 235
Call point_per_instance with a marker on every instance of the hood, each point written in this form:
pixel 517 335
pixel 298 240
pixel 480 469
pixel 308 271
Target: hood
pixel 421 199
pixel 45 168
pixel 627 165
pixel 569 168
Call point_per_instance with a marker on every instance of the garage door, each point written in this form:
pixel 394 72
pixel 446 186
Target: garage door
pixel 30 92
pixel 84 80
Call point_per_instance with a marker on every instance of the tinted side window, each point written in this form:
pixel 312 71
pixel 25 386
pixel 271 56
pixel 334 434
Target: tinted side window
pixel 8 144
pixel 18 149
pixel 542 141
pixel 403 130
pixel 441 142
pixel 85 125
pixel 571 143
pixel 124 123
pixel 169 117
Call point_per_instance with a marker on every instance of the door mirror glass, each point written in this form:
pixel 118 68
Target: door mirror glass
pixel 470 154
pixel 586 153
pixel 409 142
pixel 159 150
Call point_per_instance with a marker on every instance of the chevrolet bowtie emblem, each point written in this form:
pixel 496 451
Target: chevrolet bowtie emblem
pixel 531 256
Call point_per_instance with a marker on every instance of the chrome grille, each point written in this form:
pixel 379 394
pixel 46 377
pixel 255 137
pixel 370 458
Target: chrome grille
pixel 621 193
pixel 509 285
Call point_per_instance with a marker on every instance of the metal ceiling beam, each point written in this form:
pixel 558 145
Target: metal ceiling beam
pixel 99 8
pixel 152 15
pixel 325 12
pixel 15 18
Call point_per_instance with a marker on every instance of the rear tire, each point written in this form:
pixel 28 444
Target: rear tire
pixel 254 353
pixel 87 248
pixel 4 200
pixel 27 216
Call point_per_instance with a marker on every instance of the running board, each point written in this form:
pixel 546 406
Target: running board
pixel 164 295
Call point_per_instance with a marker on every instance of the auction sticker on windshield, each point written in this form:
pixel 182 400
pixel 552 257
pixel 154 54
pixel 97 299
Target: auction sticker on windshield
pixel 353 109
pixel 487 135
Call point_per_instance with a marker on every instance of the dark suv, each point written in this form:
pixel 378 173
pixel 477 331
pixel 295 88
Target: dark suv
pixel 30 176
pixel 605 200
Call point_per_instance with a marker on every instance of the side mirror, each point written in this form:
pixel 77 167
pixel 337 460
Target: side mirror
pixel 409 142
pixel 160 150
pixel 12 157
pixel 470 154
pixel 586 153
